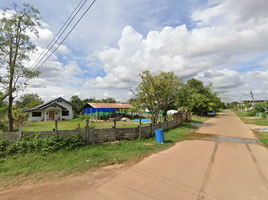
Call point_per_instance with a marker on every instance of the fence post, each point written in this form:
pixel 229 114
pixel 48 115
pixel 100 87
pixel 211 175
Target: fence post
pixel 160 121
pixel 87 132
pixel 115 134
pixel 139 127
pixel 152 126
pixel 56 128
pixel 20 129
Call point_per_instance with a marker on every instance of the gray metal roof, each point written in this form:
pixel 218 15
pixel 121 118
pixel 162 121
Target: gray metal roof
pixel 49 103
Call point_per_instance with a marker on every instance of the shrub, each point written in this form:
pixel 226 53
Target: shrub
pixel 259 107
pixel 263 115
pixel 251 113
pixel 35 143
pixel 3 127
pixel 4 144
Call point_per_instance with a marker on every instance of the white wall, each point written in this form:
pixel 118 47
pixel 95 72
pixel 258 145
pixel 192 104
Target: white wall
pixel 36 119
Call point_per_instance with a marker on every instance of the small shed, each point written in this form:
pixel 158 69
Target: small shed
pixel 105 109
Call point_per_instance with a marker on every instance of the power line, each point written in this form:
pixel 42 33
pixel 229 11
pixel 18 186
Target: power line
pixel 65 36
pixel 36 63
pixel 47 50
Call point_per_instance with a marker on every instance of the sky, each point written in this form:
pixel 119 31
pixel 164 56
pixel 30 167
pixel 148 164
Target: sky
pixel 223 42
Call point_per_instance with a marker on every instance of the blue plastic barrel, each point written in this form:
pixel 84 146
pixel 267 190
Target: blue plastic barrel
pixel 159 134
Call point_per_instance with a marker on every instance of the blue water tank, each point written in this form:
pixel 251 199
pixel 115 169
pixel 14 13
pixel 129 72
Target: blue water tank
pixel 159 134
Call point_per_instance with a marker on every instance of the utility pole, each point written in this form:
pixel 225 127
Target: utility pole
pixel 252 97
pixel 240 106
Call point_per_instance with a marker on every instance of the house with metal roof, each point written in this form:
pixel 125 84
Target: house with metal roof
pixel 56 109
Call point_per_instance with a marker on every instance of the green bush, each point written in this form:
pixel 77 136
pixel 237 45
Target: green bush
pixel 4 144
pixel 3 127
pixel 263 115
pixel 259 107
pixel 251 113
pixel 35 143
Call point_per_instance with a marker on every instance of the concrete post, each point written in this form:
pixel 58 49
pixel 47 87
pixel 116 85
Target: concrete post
pixel 56 127
pixel 139 127
pixel 160 121
pixel 115 134
pixel 87 132
pixel 20 129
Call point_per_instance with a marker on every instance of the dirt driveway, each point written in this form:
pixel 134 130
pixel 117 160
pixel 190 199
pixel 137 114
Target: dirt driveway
pixel 223 160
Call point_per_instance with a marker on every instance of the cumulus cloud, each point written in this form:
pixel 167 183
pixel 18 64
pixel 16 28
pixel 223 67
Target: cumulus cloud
pixel 225 36
pixel 222 79
pixel 214 46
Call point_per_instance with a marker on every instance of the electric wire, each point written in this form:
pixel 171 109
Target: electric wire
pixel 63 38
pixel 67 35
pixel 47 50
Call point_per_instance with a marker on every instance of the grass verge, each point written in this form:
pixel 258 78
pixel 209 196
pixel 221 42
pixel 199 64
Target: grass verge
pixel 33 167
pixel 251 120
pixel 262 136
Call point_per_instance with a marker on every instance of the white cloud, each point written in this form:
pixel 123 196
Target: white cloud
pixel 225 44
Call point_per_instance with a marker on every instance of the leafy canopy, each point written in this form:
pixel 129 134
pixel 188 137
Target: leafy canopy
pixel 158 91
pixel 15 46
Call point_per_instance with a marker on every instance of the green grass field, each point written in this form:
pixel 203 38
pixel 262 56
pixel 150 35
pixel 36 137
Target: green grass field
pixel 77 123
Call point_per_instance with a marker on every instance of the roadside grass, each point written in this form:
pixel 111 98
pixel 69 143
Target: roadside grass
pixel 262 136
pixel 257 121
pixel 199 119
pixel 33 167
pixel 241 113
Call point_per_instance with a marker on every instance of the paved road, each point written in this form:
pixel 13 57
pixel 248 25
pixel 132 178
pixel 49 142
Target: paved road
pixel 223 160
pixel 228 165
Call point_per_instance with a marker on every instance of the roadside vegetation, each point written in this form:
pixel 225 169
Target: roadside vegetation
pixel 73 157
pixel 248 118
pixel 262 136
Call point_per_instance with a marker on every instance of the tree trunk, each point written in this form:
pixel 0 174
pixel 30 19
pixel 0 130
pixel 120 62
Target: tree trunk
pixel 9 113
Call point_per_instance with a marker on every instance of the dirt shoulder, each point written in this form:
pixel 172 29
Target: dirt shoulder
pixel 67 187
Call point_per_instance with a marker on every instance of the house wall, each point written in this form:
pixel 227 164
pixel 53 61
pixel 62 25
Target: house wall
pixel 36 119
pixel 69 107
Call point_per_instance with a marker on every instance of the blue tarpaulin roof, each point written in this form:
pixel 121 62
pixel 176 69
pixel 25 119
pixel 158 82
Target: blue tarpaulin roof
pixel 87 110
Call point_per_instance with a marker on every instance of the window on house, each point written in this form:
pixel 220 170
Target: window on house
pixel 36 114
pixel 65 113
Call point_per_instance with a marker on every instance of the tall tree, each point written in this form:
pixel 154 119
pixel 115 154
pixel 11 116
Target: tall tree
pixel 108 100
pixel 15 45
pixel 158 91
pixel 197 98
pixel 29 101
pixel 75 100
